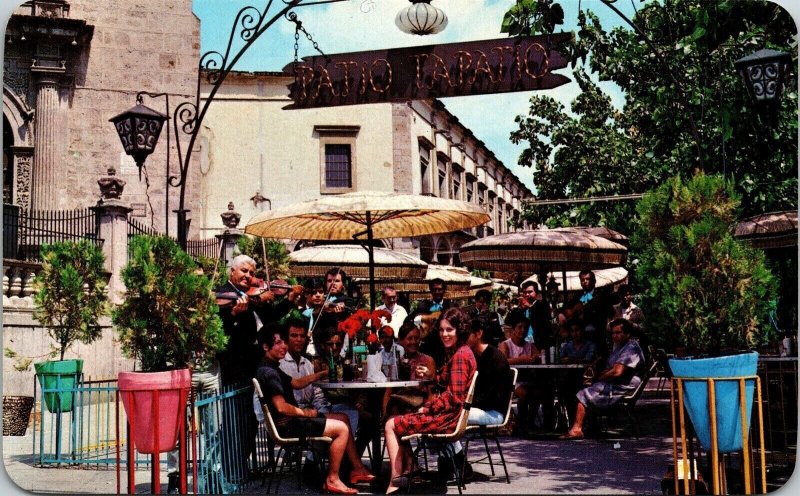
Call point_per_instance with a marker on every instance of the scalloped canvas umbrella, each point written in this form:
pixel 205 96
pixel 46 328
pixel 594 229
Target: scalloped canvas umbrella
pixel 315 261
pixel 365 216
pixel 604 277
pixel 460 283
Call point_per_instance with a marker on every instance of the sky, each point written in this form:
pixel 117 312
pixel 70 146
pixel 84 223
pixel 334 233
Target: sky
pixel 357 25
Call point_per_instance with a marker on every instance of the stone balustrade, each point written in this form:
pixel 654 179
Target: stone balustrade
pixel 18 288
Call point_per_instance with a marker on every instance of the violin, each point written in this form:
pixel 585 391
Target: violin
pixel 278 287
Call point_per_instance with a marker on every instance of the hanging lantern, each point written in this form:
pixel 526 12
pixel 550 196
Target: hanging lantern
pixel 763 73
pixel 138 129
pixel 421 18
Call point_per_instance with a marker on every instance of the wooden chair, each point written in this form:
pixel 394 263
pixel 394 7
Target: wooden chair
pixel 442 444
pixel 486 432
pixel 291 450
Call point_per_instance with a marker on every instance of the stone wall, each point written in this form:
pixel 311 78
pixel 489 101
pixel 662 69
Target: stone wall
pixel 149 45
pixel 23 334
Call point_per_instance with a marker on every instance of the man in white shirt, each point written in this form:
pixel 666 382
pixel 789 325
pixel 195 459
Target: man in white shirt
pixel 399 313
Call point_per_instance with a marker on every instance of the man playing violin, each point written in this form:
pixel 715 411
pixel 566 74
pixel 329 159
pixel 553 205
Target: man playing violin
pixel 246 305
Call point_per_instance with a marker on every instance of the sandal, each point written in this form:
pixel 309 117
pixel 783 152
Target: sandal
pixel 571 436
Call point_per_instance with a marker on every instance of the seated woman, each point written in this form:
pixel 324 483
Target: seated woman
pixel 292 421
pixel 619 378
pixel 578 349
pixel 493 389
pixel 413 366
pixel 441 412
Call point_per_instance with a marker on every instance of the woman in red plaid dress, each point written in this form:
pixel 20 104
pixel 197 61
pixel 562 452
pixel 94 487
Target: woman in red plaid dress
pixel 440 413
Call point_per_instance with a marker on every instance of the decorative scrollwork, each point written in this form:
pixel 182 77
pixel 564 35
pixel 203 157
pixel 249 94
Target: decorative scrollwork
pixel 186 117
pixel 212 63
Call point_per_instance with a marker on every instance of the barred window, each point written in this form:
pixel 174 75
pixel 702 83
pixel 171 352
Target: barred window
pixel 424 163
pixel 338 166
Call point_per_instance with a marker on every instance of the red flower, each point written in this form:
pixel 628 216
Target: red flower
pixel 372 338
pixel 376 317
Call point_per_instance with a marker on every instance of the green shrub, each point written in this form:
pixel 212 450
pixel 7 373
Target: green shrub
pixel 704 289
pixel 169 317
pixel 70 296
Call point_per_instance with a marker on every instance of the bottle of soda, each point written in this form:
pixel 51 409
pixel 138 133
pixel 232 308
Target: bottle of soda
pixel 331 369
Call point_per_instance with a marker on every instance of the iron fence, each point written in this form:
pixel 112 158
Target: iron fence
pixel 210 248
pixel 227 449
pixel 25 230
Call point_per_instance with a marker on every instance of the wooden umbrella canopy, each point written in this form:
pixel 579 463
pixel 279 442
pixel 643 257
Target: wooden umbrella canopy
pixel 773 230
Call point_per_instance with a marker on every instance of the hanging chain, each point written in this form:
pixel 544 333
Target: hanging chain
pixel 300 29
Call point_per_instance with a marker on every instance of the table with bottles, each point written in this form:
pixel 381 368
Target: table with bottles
pixel 375 392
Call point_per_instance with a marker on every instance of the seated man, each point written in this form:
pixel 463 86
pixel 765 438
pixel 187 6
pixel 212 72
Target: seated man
pixel 300 369
pixel 391 353
pixel 494 388
pixel 619 378
pixel 292 421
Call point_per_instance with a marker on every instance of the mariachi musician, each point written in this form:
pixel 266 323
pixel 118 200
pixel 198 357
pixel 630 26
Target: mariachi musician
pixel 246 304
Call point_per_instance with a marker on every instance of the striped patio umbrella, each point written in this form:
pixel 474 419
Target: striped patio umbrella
pixel 606 233
pixel 460 284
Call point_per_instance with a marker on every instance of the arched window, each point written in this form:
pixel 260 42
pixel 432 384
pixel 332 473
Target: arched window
pixel 8 162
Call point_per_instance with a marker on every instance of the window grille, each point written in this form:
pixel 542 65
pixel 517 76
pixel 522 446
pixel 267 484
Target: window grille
pixel 338 166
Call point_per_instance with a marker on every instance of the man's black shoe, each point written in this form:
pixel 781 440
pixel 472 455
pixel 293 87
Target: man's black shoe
pixel 173 484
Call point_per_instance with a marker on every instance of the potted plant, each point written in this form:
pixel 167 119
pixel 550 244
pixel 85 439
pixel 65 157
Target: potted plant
pixel 168 319
pixel 70 299
pixel 709 287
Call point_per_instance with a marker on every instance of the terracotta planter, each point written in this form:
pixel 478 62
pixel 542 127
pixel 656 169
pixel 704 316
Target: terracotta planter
pixel 155 403
pixel 61 375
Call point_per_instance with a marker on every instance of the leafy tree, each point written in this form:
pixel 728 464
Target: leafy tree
pixel 712 288
pixel 169 318
pixel 71 298
pixel 277 256
pixel 685 109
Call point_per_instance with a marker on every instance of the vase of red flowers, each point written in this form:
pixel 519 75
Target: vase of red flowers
pixel 361 329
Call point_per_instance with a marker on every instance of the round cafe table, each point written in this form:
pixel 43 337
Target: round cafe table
pixel 375 391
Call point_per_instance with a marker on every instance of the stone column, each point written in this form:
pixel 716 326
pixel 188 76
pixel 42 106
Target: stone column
pixel 112 214
pixel 231 235
pixel 45 173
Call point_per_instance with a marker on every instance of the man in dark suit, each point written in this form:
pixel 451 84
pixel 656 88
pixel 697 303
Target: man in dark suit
pixel 596 310
pixel 540 332
pixel 242 319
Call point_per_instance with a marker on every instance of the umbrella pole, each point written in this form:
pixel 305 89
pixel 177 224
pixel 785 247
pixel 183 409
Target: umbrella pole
pixel 564 282
pixel 371 263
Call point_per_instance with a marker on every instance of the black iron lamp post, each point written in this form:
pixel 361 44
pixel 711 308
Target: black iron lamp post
pixel 763 73
pixel 140 127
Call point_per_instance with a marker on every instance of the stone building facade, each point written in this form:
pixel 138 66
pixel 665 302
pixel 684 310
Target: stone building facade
pixel 261 157
pixel 69 66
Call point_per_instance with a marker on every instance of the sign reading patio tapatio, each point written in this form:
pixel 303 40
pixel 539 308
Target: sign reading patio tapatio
pixel 431 71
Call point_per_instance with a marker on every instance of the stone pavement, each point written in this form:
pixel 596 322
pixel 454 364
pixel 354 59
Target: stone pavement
pixel 536 466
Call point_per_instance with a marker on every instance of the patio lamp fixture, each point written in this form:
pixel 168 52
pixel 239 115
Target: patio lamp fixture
pixel 763 73
pixel 421 18
pixel 138 129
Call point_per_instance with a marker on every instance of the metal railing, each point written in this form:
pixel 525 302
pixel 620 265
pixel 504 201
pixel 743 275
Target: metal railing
pixel 25 231
pixel 210 248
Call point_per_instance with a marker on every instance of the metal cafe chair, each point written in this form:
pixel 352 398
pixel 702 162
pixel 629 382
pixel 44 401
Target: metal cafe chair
pixel 628 402
pixel 486 432
pixel 442 444
pixel 291 449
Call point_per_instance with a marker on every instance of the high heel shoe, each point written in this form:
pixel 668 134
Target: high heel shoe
pixel 326 489
pixel 363 477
